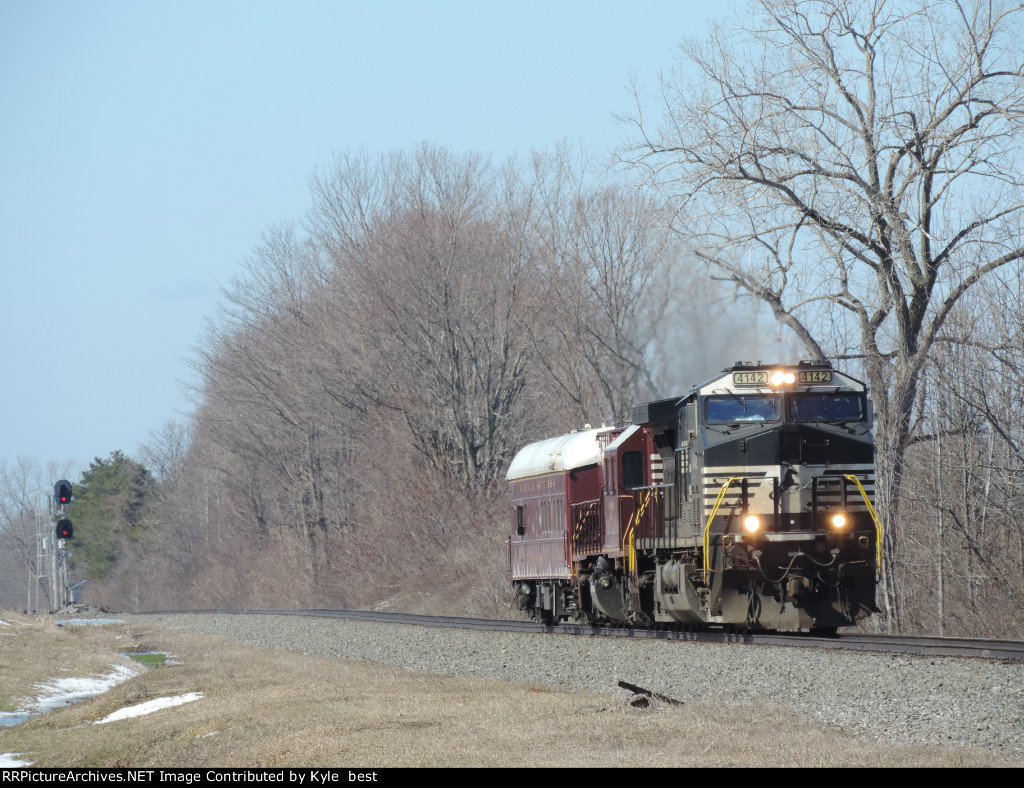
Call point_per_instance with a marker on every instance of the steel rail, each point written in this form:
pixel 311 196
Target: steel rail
pixel 974 648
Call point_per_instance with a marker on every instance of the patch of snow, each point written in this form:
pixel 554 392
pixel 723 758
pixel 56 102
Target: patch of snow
pixel 61 692
pixel 149 707
pixel 9 760
pixel 87 622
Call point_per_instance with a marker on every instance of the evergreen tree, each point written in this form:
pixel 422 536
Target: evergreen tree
pixel 110 506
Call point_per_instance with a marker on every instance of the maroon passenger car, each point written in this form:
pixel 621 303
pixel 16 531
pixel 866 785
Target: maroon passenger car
pixel 572 499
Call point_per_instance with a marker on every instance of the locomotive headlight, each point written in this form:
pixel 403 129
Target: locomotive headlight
pixel 751 524
pixel 838 520
pixel 781 377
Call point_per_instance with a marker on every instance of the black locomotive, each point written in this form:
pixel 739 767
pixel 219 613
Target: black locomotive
pixel 745 503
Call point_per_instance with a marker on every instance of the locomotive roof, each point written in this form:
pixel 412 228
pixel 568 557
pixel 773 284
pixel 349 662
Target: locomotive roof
pixel 564 453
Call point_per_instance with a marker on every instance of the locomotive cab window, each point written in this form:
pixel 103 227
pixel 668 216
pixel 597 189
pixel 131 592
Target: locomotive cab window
pixel 632 469
pixel 840 406
pixel 741 407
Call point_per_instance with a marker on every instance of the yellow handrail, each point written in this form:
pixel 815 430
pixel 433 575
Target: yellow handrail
pixel 707 528
pixel 627 548
pixel 630 535
pixel 874 518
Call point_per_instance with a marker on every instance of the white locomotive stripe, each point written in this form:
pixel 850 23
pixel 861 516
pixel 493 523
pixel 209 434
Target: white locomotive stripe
pixel 760 484
pixel 657 469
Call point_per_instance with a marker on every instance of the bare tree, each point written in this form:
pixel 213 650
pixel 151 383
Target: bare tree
pixel 607 270
pixel 165 450
pixel 856 165
pixel 18 529
pixel 276 414
pixel 24 520
pixel 434 271
pixel 963 550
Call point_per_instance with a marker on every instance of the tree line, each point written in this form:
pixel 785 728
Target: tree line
pixel 371 372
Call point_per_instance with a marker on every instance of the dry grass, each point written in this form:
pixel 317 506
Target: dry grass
pixel 263 707
pixel 34 649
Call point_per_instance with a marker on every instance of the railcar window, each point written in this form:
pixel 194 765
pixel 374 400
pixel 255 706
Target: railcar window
pixel 741 407
pixel 846 406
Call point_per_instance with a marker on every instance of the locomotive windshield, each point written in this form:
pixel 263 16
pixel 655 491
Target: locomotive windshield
pixel 847 406
pixel 741 407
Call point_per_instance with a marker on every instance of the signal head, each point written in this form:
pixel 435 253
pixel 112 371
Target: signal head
pixel 62 492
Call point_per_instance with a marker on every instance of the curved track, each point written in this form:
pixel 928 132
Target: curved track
pixel 978 648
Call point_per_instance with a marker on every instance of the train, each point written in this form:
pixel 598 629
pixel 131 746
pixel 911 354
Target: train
pixel 745 504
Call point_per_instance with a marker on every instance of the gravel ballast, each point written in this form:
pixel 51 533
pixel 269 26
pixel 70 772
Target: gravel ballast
pixel 904 699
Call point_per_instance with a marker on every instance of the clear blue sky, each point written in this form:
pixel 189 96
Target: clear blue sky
pixel 144 146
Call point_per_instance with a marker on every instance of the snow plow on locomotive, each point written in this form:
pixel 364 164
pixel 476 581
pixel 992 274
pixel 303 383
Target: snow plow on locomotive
pixel 746 503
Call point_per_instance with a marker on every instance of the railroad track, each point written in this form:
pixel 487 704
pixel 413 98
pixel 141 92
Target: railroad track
pixel 977 648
